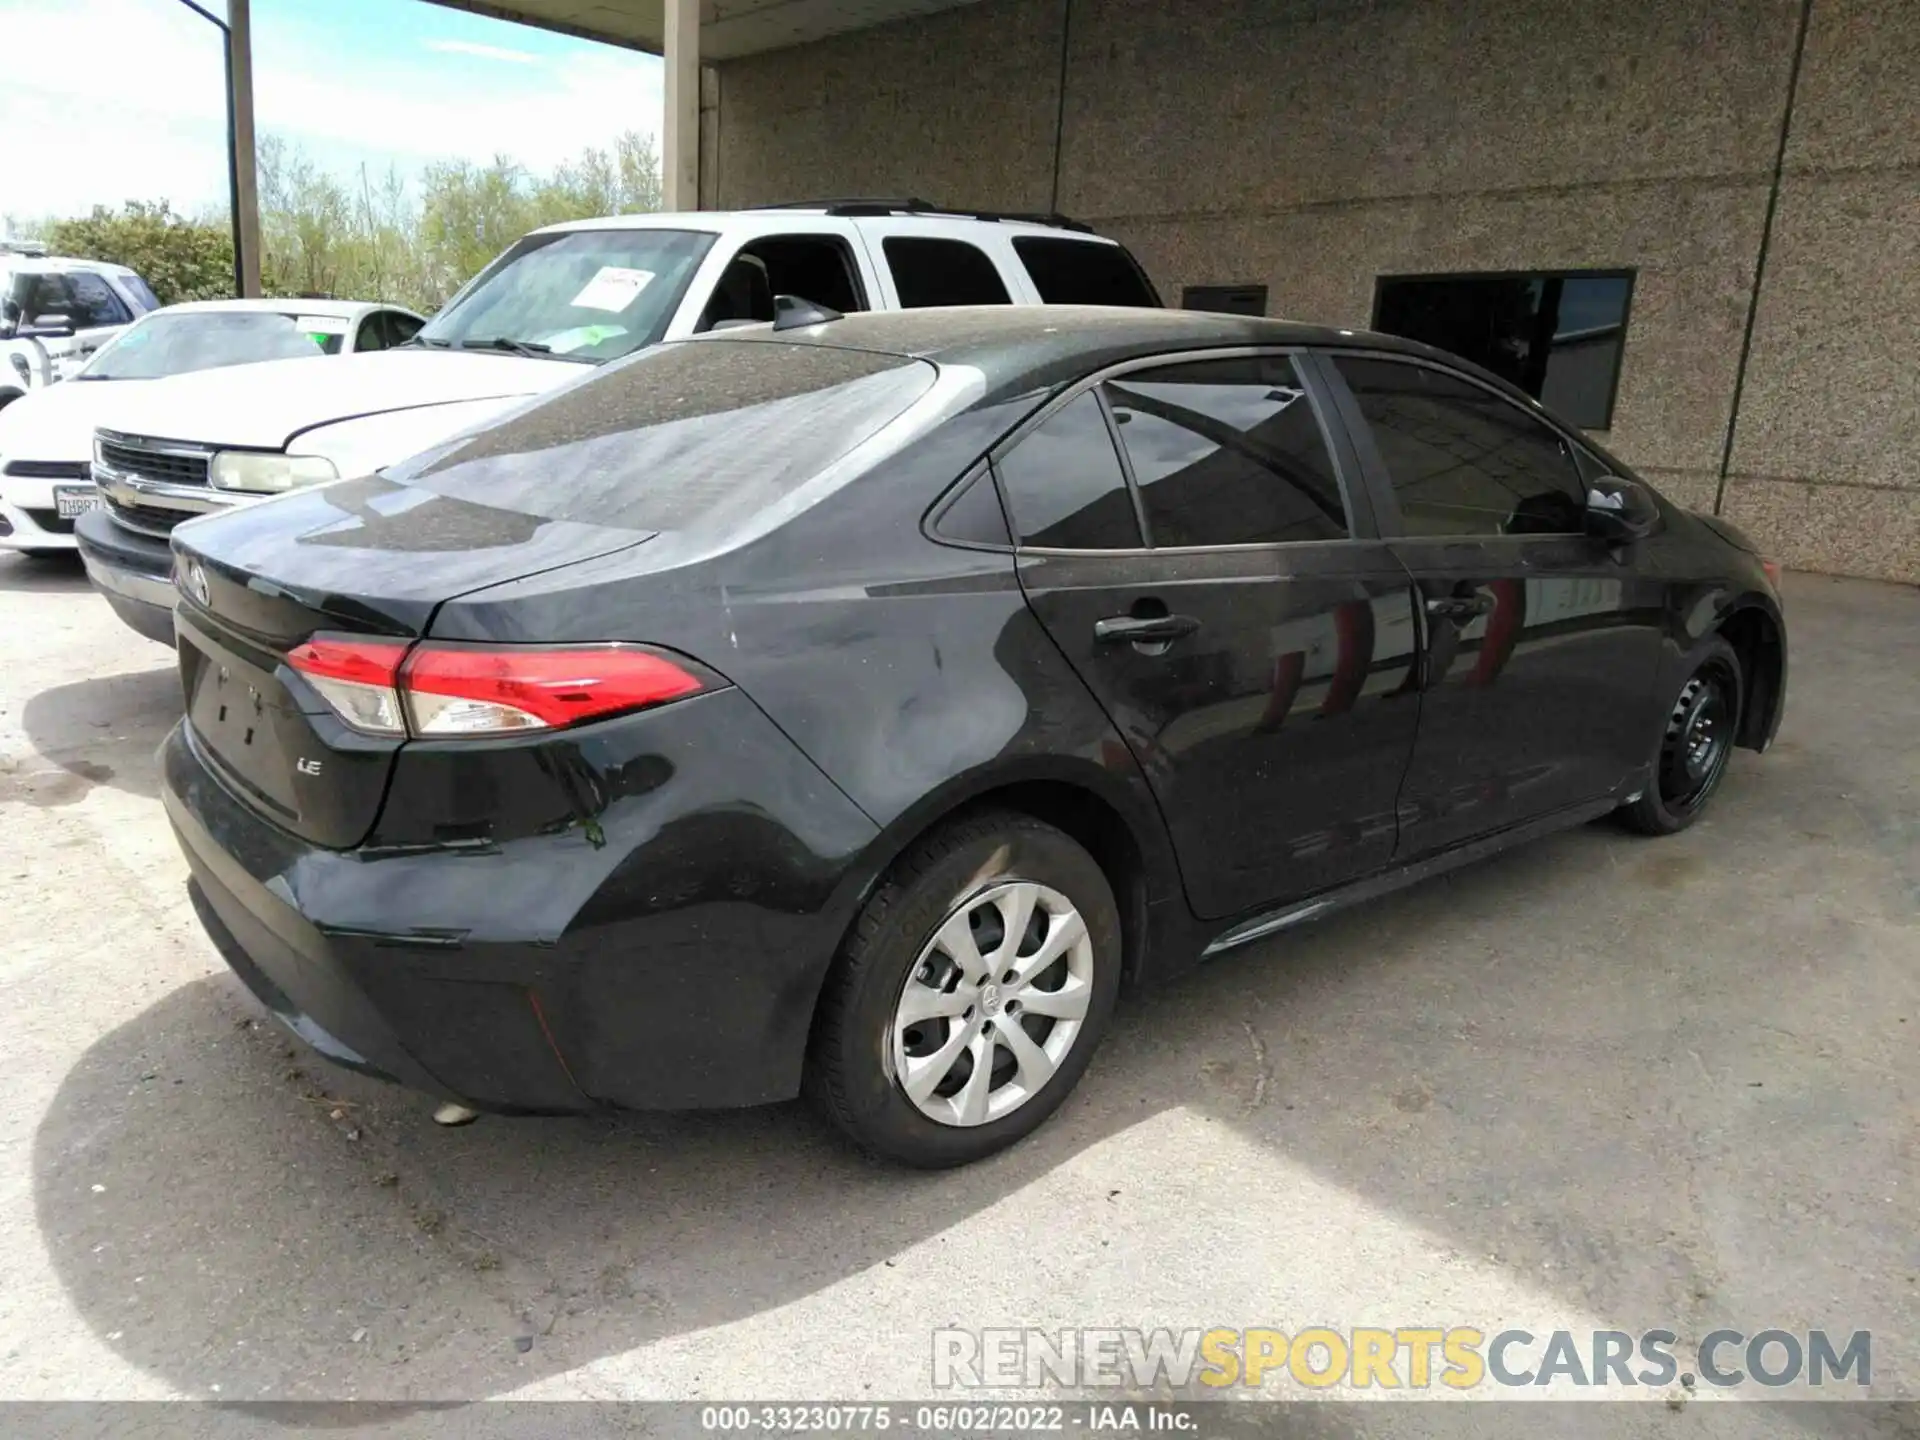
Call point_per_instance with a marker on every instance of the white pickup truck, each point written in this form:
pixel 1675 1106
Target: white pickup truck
pixel 55 312
pixel 559 301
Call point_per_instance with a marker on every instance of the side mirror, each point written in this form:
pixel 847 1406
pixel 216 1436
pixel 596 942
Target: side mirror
pixel 1620 510
pixel 46 327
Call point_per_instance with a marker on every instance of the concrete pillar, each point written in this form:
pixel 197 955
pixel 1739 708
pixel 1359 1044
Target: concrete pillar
pixel 680 139
pixel 246 190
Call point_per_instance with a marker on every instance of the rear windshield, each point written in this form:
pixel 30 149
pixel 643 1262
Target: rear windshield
pixel 703 431
pixel 1083 272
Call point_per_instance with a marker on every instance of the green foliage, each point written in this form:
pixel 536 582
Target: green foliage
pixel 367 237
pixel 181 259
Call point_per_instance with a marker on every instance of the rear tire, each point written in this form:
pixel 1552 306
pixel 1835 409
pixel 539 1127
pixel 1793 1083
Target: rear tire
pixel 1695 743
pixel 943 1036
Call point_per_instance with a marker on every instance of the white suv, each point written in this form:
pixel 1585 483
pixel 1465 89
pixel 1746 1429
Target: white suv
pixel 54 313
pixel 560 300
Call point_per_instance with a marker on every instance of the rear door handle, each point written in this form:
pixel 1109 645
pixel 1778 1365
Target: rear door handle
pixel 1461 607
pixel 1135 629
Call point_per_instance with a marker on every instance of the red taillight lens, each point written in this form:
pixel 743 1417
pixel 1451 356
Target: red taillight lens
pixel 1772 567
pixel 460 691
pixel 379 687
pixel 358 678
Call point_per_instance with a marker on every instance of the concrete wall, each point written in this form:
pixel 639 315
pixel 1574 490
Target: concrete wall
pixel 1312 145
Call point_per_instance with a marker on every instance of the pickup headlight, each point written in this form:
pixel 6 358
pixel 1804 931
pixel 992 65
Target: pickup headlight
pixel 263 474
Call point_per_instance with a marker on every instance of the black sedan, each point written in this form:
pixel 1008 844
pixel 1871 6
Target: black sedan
pixel 855 705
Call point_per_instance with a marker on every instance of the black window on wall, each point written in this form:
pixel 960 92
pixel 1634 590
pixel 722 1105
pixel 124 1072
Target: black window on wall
pixel 1558 335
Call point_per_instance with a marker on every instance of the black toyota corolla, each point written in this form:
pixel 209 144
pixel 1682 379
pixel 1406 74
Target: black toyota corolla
pixel 854 707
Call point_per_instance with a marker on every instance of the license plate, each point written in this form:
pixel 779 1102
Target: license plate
pixel 73 501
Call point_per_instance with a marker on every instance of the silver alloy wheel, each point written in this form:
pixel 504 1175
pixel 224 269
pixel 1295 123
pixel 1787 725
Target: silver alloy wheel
pixel 993 1004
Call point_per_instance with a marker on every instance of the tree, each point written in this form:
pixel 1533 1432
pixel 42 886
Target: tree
pixel 367 238
pixel 181 259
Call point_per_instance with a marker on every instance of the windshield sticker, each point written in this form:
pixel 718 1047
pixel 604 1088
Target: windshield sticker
pixel 612 289
pixel 582 337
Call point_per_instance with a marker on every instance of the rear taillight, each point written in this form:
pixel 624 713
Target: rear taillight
pixel 1772 568
pixel 439 691
pixel 358 678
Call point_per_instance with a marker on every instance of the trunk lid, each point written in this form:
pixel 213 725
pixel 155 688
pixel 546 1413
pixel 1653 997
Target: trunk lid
pixel 364 557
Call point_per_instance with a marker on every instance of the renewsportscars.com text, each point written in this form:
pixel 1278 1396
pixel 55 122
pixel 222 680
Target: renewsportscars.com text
pixel 1406 1357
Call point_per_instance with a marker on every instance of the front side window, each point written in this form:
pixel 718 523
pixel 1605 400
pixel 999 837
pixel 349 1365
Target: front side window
pixel 942 272
pixel 1463 460
pixel 94 303
pixel 372 334
pixel 1065 486
pixel 1228 452
pixel 1559 336
pixel 1082 272
pixel 591 295
pixel 138 288
pixel 174 342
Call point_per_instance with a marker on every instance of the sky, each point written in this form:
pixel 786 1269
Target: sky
pixel 134 108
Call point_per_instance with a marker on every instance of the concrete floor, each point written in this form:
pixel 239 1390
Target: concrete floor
pixel 1604 1081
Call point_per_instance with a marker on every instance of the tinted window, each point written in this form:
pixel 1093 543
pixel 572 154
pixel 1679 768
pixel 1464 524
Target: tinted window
pixel 814 267
pixel 401 327
pixel 705 434
pixel 1463 460
pixel 1065 485
pixel 1082 272
pixel 372 334
pixel 1225 299
pixel 1228 452
pixel 975 516
pixel 95 303
pixel 942 272
pixel 1558 337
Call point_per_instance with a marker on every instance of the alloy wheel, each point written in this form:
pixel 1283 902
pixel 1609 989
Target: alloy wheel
pixel 993 1004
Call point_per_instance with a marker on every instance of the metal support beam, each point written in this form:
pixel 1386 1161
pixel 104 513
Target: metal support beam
pixel 680 138
pixel 245 192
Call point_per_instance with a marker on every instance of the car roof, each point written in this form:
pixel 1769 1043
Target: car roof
pixel 777 219
pixel 56 264
pixel 291 305
pixel 1018 347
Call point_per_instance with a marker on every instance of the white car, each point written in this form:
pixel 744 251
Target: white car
pixel 46 438
pixel 55 313
pixel 558 302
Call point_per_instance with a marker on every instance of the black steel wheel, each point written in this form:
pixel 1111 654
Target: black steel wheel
pixel 1696 742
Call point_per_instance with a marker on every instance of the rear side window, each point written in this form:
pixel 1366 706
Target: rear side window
pixel 1082 272
pixel 942 272
pixel 1065 485
pixel 1228 452
pixel 704 433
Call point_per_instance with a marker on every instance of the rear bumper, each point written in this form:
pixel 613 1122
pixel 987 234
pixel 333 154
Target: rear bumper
pixel 133 572
pixel 664 954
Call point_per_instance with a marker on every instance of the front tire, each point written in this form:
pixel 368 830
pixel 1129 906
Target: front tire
pixel 970 995
pixel 1696 742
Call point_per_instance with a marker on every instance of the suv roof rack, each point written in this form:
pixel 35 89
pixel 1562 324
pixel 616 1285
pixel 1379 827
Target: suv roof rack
pixel 912 206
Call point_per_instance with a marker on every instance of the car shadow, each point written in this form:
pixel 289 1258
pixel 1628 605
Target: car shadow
pixel 25 573
pixel 1657 1081
pixel 218 1204
pixel 104 730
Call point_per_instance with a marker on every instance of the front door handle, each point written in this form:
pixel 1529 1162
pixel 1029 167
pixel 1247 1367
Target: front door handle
pixel 1143 629
pixel 1461 607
